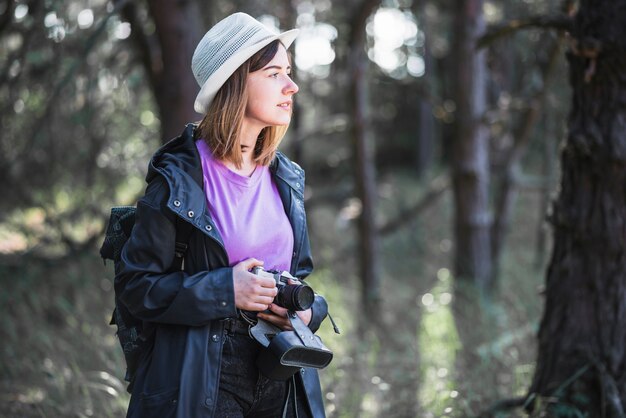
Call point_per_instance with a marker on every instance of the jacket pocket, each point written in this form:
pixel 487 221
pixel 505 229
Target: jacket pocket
pixel 160 404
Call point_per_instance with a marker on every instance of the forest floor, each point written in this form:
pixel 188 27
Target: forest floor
pixel 441 352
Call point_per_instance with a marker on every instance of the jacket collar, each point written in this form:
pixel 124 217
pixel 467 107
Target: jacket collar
pixel 289 172
pixel 181 155
pixel 179 162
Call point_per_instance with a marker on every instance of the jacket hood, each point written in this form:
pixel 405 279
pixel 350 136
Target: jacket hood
pixel 178 154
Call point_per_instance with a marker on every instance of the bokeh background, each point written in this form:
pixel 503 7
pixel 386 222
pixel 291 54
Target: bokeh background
pixel 434 323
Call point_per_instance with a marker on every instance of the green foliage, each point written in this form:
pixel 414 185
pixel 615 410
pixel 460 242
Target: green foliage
pixel 60 357
pixel 71 131
pixel 439 344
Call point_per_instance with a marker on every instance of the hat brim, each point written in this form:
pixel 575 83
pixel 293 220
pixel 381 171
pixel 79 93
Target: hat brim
pixel 216 80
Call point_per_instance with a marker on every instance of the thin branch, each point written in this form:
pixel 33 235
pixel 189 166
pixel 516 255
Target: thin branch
pixel 27 33
pixel 335 196
pixel 435 191
pixel 5 18
pixel 331 125
pixel 147 46
pixel 359 19
pixel 495 32
pixel 42 118
pixel 89 44
pixel 19 56
pixel 513 155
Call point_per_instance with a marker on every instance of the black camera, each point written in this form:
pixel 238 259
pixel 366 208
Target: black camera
pixel 294 297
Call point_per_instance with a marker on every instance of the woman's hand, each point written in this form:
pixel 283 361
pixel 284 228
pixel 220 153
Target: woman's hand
pixel 252 292
pixel 278 315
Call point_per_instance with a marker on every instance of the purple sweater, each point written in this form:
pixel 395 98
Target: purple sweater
pixel 248 213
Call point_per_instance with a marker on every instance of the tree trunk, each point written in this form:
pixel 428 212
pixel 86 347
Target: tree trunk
pixel 507 188
pixel 166 58
pixel 364 162
pixel 470 165
pixel 424 148
pixel 175 89
pixel 289 19
pixel 582 339
pixel 551 137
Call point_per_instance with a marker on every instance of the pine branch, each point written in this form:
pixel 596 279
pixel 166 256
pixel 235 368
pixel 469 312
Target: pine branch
pixel 495 32
pixel 436 190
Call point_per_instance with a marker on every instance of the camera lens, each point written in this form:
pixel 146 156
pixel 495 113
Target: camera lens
pixel 295 297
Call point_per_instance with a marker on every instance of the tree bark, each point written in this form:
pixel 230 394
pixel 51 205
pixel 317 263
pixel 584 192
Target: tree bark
pixel 470 165
pixel 289 19
pixel 175 89
pixel 166 58
pixel 364 164
pixel 551 137
pixel 424 147
pixel 582 338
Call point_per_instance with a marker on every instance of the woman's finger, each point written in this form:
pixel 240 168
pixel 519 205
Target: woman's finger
pixel 280 322
pixel 264 300
pixel 278 310
pixel 256 307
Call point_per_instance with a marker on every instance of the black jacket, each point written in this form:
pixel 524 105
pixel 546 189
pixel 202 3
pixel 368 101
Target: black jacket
pixel 179 376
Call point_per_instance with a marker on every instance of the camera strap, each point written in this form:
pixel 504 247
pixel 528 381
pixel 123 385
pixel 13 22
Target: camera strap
pixel 303 332
pixel 263 332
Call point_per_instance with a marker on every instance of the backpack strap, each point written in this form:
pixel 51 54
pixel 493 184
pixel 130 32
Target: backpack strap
pixel 183 233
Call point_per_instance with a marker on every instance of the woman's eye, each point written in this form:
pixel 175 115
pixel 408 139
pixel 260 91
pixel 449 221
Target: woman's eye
pixel 274 75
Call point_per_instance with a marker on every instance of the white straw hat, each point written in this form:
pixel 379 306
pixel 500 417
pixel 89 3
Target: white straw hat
pixel 225 47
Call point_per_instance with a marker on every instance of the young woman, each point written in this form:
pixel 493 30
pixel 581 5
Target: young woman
pixel 244 202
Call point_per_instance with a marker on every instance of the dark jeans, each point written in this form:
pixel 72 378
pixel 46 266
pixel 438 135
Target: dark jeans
pixel 245 392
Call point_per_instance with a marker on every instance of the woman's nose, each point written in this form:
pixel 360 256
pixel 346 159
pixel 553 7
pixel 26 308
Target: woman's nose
pixel 291 87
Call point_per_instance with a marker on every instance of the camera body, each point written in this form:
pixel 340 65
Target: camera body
pixel 294 297
pixel 286 352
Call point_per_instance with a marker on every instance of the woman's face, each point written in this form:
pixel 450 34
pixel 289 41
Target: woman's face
pixel 270 91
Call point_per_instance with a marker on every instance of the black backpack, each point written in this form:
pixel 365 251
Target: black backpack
pixel 134 335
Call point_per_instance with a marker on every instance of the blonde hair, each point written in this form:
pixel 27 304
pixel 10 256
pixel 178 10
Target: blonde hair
pixel 221 126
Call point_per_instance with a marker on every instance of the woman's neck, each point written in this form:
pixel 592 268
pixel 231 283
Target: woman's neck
pixel 247 166
pixel 247 138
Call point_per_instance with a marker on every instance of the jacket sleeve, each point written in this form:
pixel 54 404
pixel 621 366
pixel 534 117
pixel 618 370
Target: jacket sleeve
pixel 319 312
pixel 154 294
pixel 303 269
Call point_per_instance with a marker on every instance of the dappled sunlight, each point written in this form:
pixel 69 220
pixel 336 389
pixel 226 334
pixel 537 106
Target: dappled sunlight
pixel 314 45
pixel 397 41
pixel 439 343
pixel 85 18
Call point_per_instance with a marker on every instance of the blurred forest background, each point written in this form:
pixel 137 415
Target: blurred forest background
pixel 438 136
